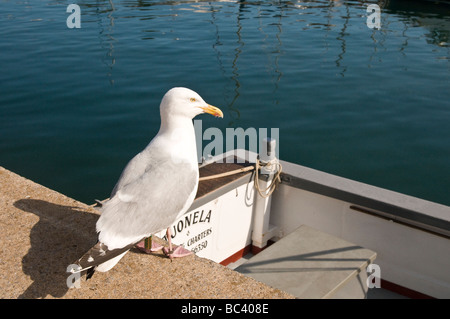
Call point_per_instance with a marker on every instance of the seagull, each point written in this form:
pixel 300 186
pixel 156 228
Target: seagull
pixel 156 187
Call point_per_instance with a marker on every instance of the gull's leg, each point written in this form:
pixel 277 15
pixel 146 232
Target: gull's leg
pixel 178 252
pixel 169 252
pixel 148 245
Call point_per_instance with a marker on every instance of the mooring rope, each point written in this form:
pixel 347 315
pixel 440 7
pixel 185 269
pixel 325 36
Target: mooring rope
pixel 258 165
pixel 236 171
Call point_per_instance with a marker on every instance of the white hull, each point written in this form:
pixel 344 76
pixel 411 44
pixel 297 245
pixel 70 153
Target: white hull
pixel 410 236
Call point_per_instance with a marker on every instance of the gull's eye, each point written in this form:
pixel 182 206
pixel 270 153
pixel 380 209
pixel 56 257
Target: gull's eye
pixel 193 99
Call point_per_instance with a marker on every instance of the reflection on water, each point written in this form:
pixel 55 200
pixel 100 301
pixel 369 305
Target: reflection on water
pixel 433 17
pixel 106 37
pixel 232 87
pixel 362 103
pixel 332 17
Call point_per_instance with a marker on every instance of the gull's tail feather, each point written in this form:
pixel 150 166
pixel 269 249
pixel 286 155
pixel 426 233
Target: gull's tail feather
pixel 100 258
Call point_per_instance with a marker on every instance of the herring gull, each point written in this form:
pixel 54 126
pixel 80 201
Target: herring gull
pixel 156 187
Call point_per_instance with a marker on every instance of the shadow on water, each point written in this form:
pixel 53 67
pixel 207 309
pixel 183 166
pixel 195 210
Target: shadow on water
pixel 61 236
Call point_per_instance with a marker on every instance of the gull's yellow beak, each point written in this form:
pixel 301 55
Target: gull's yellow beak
pixel 212 110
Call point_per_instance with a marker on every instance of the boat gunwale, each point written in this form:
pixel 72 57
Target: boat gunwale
pixel 400 208
pixel 380 202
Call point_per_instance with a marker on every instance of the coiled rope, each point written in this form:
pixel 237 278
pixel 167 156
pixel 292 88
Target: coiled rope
pixel 275 180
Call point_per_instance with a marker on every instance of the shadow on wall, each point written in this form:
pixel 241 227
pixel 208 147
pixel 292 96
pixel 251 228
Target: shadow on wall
pixel 61 236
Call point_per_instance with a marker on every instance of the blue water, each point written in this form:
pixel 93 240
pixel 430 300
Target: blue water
pixel 367 104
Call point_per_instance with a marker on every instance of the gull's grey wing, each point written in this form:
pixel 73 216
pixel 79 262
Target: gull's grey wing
pixel 135 168
pixel 147 202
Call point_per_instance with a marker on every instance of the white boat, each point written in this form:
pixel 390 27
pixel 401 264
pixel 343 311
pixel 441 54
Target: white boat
pixel 318 235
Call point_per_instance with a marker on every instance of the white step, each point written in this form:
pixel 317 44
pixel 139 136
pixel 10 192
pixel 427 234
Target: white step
pixel 311 264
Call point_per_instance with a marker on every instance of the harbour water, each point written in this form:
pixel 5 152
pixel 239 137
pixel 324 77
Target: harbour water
pixel 363 103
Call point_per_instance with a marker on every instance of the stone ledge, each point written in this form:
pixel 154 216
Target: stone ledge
pixel 43 231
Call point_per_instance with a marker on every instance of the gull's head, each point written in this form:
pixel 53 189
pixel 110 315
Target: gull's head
pixel 186 103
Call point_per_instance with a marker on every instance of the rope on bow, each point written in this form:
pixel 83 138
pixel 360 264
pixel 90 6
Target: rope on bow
pixel 258 165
